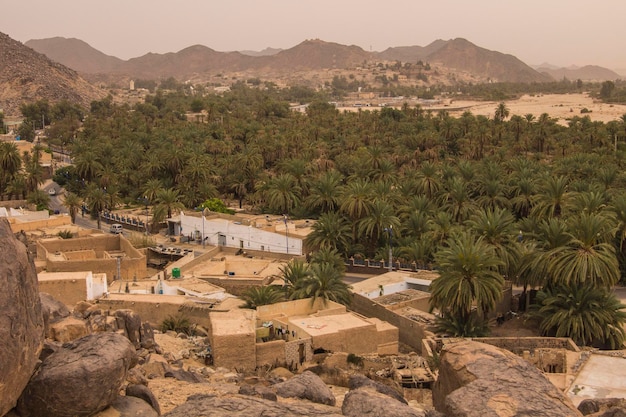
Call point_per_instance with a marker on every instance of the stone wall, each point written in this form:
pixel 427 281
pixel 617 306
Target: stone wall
pixel 292 352
pixel 518 345
pixel 157 311
pixel 297 308
pixel 411 332
pixel 51 222
pixel 270 353
pixel 235 351
pixel 67 291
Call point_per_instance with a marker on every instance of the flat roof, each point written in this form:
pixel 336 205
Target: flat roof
pixel 317 326
pixel 390 278
pixel 234 322
pixel 602 376
pixel 57 276
pixel 401 296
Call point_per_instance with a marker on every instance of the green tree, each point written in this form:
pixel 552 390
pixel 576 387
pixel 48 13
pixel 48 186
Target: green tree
pixel 587 314
pixel 260 296
pixel 324 281
pixel 73 203
pixel 468 278
pixel 330 231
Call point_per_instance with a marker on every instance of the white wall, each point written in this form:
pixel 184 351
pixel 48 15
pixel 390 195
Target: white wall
pixel 96 286
pixel 236 235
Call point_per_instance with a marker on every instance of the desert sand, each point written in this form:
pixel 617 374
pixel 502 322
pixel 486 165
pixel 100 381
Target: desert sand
pixel 559 106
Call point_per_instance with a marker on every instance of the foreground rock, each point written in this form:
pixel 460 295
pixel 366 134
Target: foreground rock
pixel 306 386
pixel 368 402
pixel 244 406
pixel 476 379
pixel 603 407
pixel 360 381
pixel 79 379
pixel 128 407
pixel 21 319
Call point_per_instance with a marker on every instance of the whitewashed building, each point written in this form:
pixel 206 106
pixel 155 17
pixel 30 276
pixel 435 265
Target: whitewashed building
pixel 272 236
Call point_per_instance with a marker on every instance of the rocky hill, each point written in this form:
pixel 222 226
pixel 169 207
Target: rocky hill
pixel 586 73
pixel 27 76
pixel 464 55
pixel 197 62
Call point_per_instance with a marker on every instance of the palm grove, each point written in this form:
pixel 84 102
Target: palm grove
pixel 483 200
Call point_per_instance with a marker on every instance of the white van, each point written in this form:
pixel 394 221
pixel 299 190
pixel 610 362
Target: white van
pixel 116 228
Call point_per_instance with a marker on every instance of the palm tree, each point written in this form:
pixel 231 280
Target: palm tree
pixel 501 113
pixel 260 296
pixel 73 203
pixel 39 198
pixel 324 193
pixel 324 281
pixel 587 314
pixel 468 277
pixel 96 200
pixel 331 231
pixel 167 201
pixel 293 275
pixel 589 257
pixel 282 194
pixel 551 197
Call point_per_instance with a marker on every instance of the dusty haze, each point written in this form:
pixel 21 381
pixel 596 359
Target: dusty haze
pixel 560 32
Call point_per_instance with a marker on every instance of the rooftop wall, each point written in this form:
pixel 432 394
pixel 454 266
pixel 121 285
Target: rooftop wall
pixel 297 308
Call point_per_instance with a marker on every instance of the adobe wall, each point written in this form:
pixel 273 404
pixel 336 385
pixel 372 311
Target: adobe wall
pixel 96 243
pixel 156 312
pixel 233 285
pixel 518 345
pixel 51 222
pixel 301 307
pixel 129 268
pixel 359 340
pixel 411 332
pixel 421 304
pixel 236 351
pixel 67 291
pixel 270 353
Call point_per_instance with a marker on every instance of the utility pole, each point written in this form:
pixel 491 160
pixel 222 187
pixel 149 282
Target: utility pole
pixel 286 234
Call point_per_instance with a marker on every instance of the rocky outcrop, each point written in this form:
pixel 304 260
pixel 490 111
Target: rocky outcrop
pixel 67 329
pixel 130 323
pixel 128 407
pixel 52 309
pixel 21 319
pixel 306 386
pixel 244 406
pixel 258 391
pixel 359 381
pixel 476 379
pixel 143 392
pixel 603 407
pixel 368 402
pixel 80 379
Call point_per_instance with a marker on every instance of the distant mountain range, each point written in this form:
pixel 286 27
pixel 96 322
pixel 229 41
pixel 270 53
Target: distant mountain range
pixel 195 61
pixel 41 68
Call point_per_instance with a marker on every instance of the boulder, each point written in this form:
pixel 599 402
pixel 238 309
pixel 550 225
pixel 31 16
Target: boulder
pixel 130 322
pixel 146 336
pixel 156 366
pixel 52 309
pixel 306 386
pixel 368 402
pixel 68 329
pixel 476 379
pixel 200 405
pixel 258 391
pixel 80 379
pixel 603 407
pixel 143 392
pixel 128 407
pixel 358 381
pixel 21 318
pixel 185 376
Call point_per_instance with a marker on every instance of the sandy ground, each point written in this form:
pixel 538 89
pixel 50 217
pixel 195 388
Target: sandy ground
pixel 561 106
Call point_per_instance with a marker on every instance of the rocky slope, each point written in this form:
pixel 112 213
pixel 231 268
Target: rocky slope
pixel 27 76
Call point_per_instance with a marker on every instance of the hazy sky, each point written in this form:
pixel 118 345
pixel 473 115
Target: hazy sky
pixel 560 32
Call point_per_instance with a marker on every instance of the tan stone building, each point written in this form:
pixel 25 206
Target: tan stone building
pixel 72 287
pixel 112 255
pixel 289 333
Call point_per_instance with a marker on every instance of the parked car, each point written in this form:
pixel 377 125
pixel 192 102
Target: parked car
pixel 116 228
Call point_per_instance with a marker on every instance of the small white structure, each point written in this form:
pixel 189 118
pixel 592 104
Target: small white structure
pixel 276 238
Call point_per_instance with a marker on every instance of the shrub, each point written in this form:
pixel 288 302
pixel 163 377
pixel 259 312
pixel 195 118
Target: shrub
pixel 355 360
pixel 178 323
pixel 65 234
